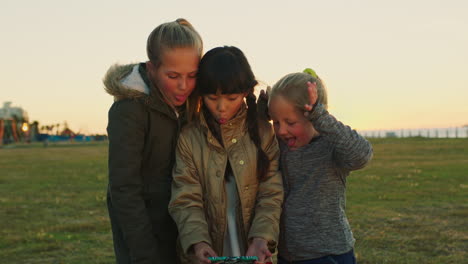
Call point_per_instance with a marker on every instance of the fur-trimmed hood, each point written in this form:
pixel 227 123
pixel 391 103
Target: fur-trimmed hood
pixel 130 82
pixel 125 81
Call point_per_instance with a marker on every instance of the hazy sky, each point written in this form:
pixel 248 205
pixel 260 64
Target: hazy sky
pixel 387 64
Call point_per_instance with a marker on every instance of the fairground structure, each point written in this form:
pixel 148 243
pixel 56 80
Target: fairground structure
pixel 16 128
pixel 14 124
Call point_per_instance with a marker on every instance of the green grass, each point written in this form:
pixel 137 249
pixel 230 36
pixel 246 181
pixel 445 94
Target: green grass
pixel 410 205
pixel 52 204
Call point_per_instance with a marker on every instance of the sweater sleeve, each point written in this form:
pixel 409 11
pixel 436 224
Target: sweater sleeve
pixel 351 150
pixel 186 205
pixel 126 130
pixel 270 195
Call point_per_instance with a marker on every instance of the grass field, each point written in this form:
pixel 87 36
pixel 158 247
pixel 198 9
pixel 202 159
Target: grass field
pixel 410 205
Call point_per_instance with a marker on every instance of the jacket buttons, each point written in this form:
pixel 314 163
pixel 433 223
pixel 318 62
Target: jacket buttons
pixel 241 162
pixel 218 174
pixel 234 140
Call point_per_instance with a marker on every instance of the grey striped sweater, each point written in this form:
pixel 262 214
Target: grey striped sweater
pixel 313 222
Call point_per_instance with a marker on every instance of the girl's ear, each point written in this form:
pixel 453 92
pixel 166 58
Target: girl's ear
pixel 150 66
pixel 152 69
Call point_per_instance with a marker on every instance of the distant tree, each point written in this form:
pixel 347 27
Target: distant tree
pixel 50 128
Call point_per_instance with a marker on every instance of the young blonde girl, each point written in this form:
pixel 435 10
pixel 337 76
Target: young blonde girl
pixel 144 122
pixel 227 191
pixel 317 154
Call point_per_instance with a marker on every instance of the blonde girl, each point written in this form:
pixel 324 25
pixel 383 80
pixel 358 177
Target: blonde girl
pixel 317 154
pixel 151 106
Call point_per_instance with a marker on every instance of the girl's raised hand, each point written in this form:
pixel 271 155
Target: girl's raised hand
pixel 264 94
pixel 313 96
pixel 262 104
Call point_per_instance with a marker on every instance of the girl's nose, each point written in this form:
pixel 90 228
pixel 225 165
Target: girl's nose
pixel 281 130
pixel 183 83
pixel 221 106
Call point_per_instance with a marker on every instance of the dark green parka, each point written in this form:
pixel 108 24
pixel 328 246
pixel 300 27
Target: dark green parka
pixel 143 132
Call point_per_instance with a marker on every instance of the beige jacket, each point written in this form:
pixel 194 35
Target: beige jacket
pixel 198 202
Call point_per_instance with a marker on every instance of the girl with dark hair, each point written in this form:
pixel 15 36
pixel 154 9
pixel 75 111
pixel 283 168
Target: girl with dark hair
pixel 227 191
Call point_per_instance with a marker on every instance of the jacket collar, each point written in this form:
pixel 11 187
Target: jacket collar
pixel 230 132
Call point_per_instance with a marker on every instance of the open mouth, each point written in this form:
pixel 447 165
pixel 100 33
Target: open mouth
pixel 290 141
pixel 222 121
pixel 181 98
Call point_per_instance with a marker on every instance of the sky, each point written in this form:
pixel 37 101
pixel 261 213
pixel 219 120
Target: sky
pixel 386 64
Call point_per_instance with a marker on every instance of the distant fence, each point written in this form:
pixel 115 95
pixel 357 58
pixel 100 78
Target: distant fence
pixel 448 132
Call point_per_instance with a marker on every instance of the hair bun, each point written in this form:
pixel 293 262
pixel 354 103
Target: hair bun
pixel 310 72
pixel 184 22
